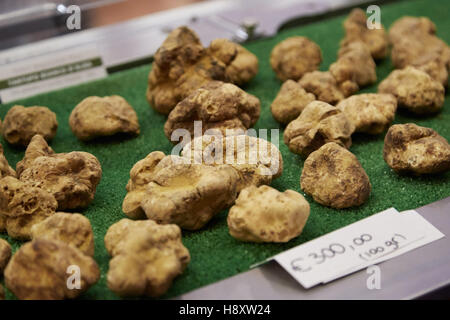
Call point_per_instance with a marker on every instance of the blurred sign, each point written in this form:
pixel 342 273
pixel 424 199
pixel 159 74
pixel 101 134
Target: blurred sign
pixel 48 72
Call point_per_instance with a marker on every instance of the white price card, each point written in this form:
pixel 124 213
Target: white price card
pixel 369 241
pixel 51 71
pixel 430 234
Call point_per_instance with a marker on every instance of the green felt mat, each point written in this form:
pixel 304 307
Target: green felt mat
pixel 215 254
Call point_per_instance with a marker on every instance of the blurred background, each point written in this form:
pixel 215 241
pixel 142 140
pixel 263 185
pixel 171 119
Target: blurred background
pixel 126 31
pixel 25 21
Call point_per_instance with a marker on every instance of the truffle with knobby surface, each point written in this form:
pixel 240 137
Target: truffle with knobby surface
pixel 22 123
pixel 294 57
pixel 409 148
pixel 48 270
pixel 333 176
pixel 5 254
pixel 22 206
pixel 317 125
pixel 414 90
pixel 146 257
pixel 290 102
pixel 181 65
pixel 217 107
pixel 71 228
pixel 257 161
pixel 72 178
pixel 103 116
pixel 369 112
pixel 264 214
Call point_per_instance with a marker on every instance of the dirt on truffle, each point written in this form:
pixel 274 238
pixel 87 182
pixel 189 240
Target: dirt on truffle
pixel 168 190
pixel 22 123
pixel 218 107
pixel 264 214
pixel 409 148
pixel 414 90
pixel 356 29
pixel 414 43
pixel 146 257
pixel 22 206
pixel 369 112
pixel 294 57
pixel 333 176
pixel 290 101
pixel 181 65
pixel 318 124
pixel 41 270
pixel 71 177
pixel 103 116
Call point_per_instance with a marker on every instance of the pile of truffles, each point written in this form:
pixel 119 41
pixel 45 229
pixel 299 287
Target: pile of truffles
pixel 298 59
pixel 61 243
pixel 182 65
pixel 221 165
pixel 57 263
pixel 189 191
pixel 414 43
pixel 321 130
pixel 39 269
pixel 45 182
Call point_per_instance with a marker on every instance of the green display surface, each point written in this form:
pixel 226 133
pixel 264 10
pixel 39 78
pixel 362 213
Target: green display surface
pixel 215 254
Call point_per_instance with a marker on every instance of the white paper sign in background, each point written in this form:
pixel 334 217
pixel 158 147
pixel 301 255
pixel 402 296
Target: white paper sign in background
pixel 52 71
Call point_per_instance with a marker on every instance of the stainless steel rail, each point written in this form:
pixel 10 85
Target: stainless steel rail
pixel 408 276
